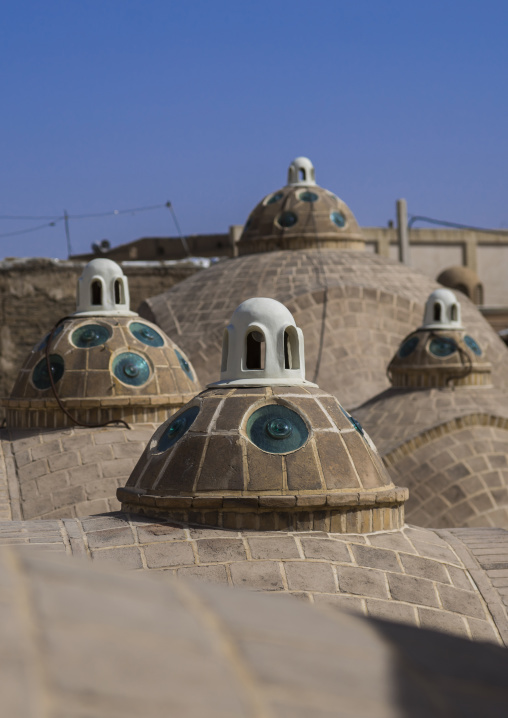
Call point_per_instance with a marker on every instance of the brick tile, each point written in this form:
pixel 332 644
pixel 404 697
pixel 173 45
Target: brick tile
pixel 391 611
pixel 65 460
pixel 159 532
pixel 68 496
pixel 395 541
pixel 362 581
pixel 82 474
pixel 412 590
pixel 425 568
pixel 431 550
pixel 376 558
pixel 177 553
pixel 33 470
pixel 273 548
pixel 343 603
pixel 326 549
pixel 127 557
pixel 482 630
pixel 441 621
pixel 221 550
pixel 210 574
pixel 260 575
pixel 92 454
pixel 110 537
pixel 117 468
pixel 310 576
pixel 132 450
pixel 44 450
pixel 459 578
pixel 459 601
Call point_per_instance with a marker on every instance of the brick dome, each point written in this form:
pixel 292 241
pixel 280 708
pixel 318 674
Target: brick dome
pixel 301 215
pixel 254 453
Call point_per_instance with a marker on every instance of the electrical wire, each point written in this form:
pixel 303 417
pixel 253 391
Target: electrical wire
pixel 31 229
pixel 55 393
pixel 431 220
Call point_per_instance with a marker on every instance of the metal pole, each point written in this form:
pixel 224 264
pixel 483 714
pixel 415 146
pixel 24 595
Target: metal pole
pixel 67 234
pixel 403 232
pixel 182 238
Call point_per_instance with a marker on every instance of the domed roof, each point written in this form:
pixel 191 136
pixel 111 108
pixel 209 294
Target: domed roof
pixel 464 280
pixel 440 353
pixel 300 215
pixel 354 309
pixel 106 363
pixel 267 457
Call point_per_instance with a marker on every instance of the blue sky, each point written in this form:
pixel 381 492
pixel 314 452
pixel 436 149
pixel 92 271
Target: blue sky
pixel 114 104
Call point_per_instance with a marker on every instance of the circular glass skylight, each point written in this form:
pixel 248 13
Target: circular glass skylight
pixel 146 334
pixel 176 429
pixel 277 429
pixel 408 347
pixel 184 364
pixel 287 219
pixel 90 335
pixel 40 376
pixel 473 345
pixel 442 346
pixel 275 198
pixel 338 218
pixel 308 196
pixel 131 369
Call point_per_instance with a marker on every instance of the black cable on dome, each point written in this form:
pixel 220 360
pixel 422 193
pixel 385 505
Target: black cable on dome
pixel 55 393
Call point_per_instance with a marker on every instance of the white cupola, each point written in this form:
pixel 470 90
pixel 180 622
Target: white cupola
pixel 262 346
pixel 103 290
pixel 442 311
pixel 301 172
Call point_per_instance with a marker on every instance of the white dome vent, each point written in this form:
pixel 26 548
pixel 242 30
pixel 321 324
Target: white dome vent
pixel 301 172
pixel 262 346
pixel 103 291
pixel 442 311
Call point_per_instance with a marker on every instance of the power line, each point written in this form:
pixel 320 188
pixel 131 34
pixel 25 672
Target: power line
pixel 455 225
pixel 31 229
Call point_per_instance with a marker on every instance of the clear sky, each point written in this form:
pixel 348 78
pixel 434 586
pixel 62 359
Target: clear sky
pixel 114 104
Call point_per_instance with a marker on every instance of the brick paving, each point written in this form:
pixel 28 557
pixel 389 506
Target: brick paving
pixel 76 641
pixel 415 575
pixel 66 472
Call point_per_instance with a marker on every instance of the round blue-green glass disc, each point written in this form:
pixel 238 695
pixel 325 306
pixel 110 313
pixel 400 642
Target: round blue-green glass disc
pixel 338 218
pixel 176 429
pixel 43 343
pixel 146 334
pixel 408 347
pixel 131 369
pixel 442 346
pixel 473 345
pixel 185 365
pixel 308 196
pixel 40 376
pixel 276 429
pixel 90 335
pixel 354 422
pixel 275 198
pixel 287 219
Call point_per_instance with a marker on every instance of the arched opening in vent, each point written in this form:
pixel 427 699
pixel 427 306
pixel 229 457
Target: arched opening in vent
pixel 478 294
pixel 437 312
pixel 454 313
pixel 119 293
pixel 302 174
pixel 96 292
pixel 291 349
pixel 255 350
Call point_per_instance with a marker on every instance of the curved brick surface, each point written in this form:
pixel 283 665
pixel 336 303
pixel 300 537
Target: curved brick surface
pixel 413 575
pixel 89 388
pixel 354 309
pixel 449 448
pixel 458 478
pixel 76 641
pixel 66 472
pixel 396 416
